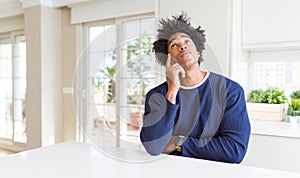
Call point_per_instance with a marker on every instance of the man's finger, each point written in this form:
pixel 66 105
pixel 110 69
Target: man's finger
pixel 182 72
pixel 168 63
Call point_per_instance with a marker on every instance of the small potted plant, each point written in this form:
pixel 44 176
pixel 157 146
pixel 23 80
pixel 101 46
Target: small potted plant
pixel 295 95
pixel 293 114
pixel 266 104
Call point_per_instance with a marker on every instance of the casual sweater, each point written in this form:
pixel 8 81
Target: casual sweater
pixel 211 115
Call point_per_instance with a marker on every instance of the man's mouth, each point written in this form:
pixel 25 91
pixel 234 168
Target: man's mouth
pixel 185 53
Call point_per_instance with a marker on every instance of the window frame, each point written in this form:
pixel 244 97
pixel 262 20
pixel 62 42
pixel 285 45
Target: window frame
pixel 11 143
pixel 85 126
pixel 285 56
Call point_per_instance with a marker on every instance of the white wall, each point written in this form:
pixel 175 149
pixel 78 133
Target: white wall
pixel 68 70
pixel 258 26
pixel 266 30
pixel 110 9
pixel 239 57
pixel 32 19
pixel 51 75
pixel 12 23
pixel 270 21
pixel 44 83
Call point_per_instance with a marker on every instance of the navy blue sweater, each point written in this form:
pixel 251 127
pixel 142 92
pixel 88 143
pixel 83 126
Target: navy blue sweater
pixel 212 116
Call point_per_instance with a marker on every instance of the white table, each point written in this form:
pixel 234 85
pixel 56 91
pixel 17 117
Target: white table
pixel 78 160
pixel 279 129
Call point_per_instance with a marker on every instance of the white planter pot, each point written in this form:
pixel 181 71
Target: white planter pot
pixel 293 120
pixel 263 111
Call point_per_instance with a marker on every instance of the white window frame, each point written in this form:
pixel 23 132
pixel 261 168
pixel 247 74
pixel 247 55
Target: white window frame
pixel 6 143
pixel 82 89
pixel 270 56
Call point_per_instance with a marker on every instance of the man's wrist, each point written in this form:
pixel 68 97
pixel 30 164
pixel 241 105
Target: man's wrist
pixel 179 142
pixel 171 96
pixel 171 145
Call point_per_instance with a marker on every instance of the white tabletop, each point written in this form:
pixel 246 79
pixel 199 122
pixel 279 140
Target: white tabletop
pixel 78 160
pixel 280 129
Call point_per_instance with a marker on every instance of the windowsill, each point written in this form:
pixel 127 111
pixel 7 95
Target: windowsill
pixel 278 129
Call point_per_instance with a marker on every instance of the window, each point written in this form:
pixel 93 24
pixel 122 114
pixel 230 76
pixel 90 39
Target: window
pixel 13 88
pixel 269 74
pixel 278 69
pixel 258 60
pixel 120 69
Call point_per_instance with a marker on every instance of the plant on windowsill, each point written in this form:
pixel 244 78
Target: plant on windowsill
pixel 266 104
pixel 293 114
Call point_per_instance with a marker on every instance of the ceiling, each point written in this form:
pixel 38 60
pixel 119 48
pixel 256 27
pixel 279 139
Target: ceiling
pixel 14 7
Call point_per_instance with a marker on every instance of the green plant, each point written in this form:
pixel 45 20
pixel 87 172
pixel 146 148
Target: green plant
pixel 271 96
pixel 137 63
pixel 290 111
pixel 132 98
pixel 294 108
pixel 138 55
pixel 105 78
pixel 275 96
pixel 295 94
pixel 294 105
pixel 256 96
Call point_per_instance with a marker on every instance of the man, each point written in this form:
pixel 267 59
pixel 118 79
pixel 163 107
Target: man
pixel 194 113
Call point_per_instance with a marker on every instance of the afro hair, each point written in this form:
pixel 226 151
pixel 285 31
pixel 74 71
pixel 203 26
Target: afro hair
pixel 168 27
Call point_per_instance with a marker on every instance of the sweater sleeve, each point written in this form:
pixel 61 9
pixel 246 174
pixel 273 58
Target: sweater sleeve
pixel 231 142
pixel 158 122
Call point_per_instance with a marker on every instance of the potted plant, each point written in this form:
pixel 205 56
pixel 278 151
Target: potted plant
pixel 266 104
pixel 295 94
pixel 293 114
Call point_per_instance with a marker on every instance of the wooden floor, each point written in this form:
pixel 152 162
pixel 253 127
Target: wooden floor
pixel 4 152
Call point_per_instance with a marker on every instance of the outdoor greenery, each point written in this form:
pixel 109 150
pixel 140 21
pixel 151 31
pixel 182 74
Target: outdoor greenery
pixel 138 51
pixel 105 77
pixel 137 63
pixel 271 96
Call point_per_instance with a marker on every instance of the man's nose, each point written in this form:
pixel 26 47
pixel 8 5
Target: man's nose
pixel 182 48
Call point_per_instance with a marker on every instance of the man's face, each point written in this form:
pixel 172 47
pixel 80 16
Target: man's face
pixel 183 50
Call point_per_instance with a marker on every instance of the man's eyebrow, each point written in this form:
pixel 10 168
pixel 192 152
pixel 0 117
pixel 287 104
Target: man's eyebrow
pixel 171 40
pixel 185 36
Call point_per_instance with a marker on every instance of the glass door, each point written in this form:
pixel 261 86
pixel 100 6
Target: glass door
pixel 13 88
pixel 120 70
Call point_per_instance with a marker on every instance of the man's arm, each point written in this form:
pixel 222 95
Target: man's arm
pixel 158 123
pixel 232 141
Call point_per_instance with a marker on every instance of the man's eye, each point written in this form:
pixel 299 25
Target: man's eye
pixel 173 46
pixel 187 41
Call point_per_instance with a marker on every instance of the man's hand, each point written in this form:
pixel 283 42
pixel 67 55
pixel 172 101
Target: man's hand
pixel 171 145
pixel 172 72
pixel 173 79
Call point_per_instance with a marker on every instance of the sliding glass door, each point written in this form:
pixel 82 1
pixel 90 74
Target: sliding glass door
pixel 13 88
pixel 119 68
